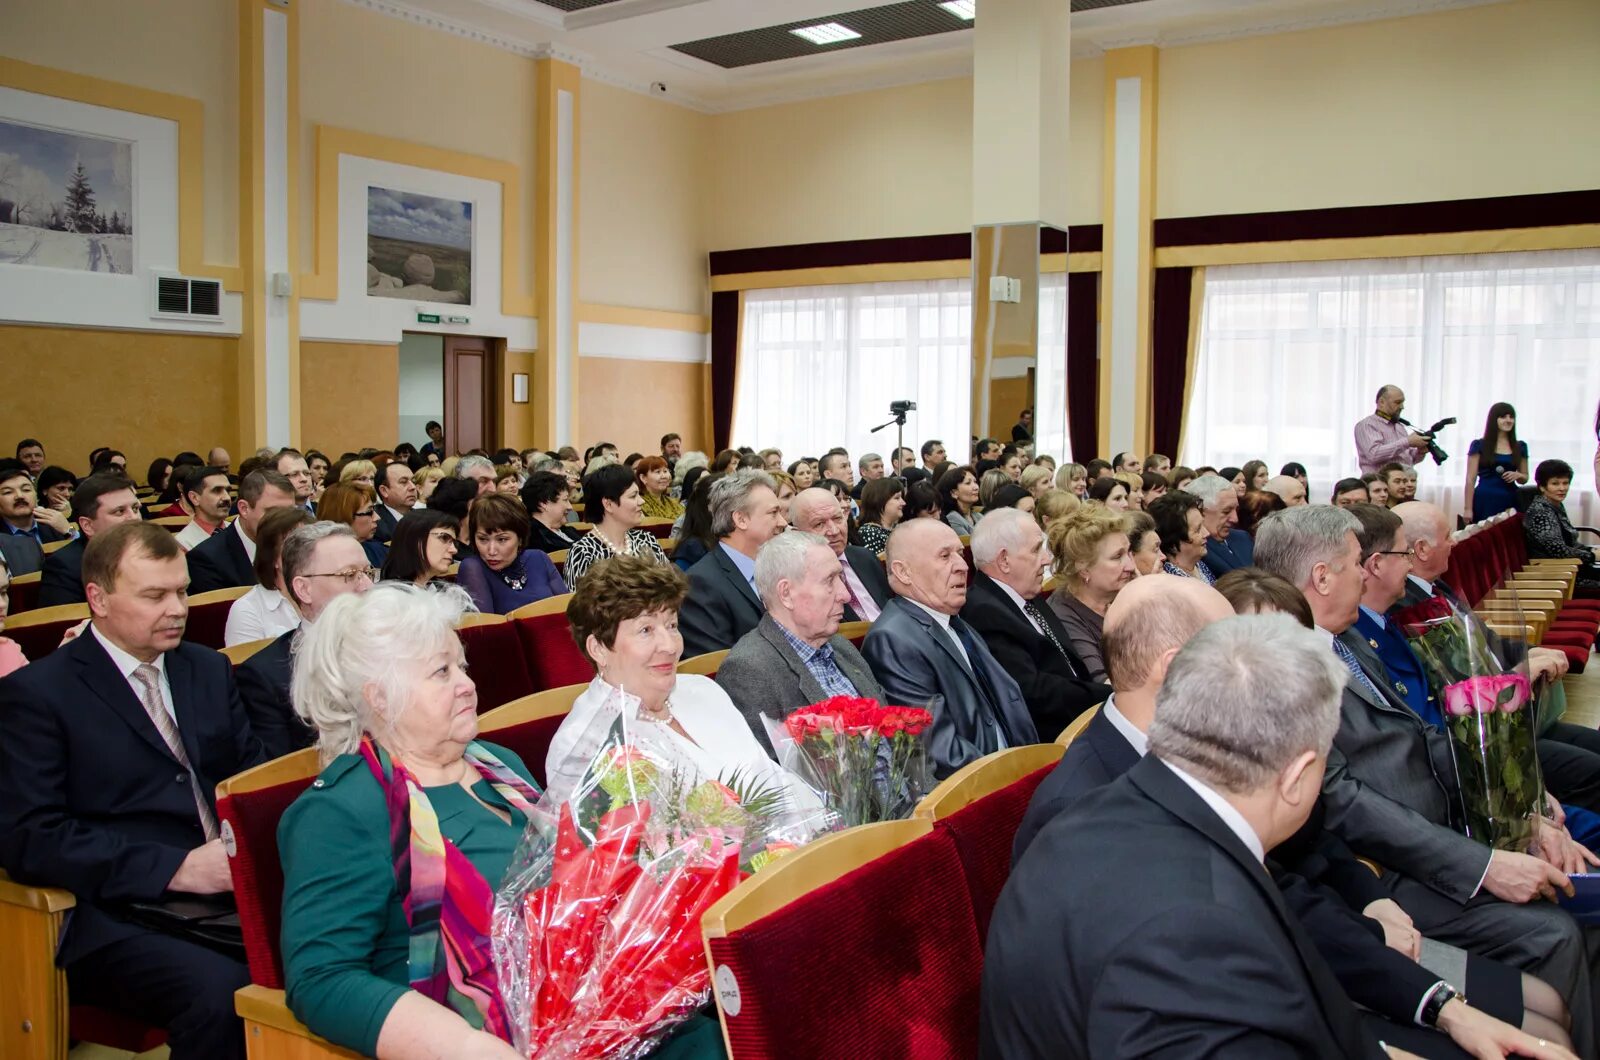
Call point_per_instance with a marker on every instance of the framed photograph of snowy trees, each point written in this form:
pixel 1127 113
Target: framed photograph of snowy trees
pixel 66 199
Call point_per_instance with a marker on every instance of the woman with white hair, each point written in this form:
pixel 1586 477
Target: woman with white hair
pixel 391 857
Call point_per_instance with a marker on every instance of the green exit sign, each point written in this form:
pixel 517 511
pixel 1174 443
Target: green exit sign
pixel 427 318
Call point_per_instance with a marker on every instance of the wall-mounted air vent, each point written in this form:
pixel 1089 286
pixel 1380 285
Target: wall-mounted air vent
pixel 183 298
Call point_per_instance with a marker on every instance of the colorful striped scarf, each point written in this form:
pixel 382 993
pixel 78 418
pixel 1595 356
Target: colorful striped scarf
pixel 448 903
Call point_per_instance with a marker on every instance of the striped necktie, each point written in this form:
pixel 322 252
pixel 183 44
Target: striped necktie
pixel 1353 664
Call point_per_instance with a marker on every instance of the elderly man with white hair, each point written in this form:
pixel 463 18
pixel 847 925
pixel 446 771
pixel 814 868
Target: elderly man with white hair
pixel 1201 950
pixel 479 469
pixel 1227 547
pixel 1291 489
pixel 1028 640
pixel 1393 794
pixel 795 655
pixel 818 511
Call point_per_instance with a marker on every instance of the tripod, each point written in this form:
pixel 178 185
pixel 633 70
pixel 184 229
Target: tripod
pixel 900 434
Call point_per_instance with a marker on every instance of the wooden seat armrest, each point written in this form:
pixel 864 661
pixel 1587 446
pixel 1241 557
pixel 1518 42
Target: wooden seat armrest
pixel 43 899
pixel 272 1032
pixel 1506 629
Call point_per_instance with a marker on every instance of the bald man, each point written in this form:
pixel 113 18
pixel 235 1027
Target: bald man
pixel 924 654
pixel 818 511
pixel 1291 489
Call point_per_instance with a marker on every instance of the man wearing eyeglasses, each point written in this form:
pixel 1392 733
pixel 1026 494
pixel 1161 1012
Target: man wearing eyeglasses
pixel 1386 563
pixel 321 562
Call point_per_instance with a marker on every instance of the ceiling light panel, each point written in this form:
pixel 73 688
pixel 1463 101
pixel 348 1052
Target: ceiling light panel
pixel 826 33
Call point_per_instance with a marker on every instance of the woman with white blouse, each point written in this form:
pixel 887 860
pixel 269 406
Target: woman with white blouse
pixel 265 611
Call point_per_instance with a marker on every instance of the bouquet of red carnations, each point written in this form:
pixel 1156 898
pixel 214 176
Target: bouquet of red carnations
pixel 1491 716
pixel 597 925
pixel 869 761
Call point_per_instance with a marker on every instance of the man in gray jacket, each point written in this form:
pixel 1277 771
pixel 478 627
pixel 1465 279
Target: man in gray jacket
pixel 795 656
pixel 1392 792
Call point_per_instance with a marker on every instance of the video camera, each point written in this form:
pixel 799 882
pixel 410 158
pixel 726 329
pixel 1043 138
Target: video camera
pixel 1439 455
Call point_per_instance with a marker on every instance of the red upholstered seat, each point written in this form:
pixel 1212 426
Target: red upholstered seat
pixel 90 1023
pixel 983 832
pixel 252 816
pixel 494 658
pixel 883 961
pixel 38 641
pixel 207 623
pixel 552 656
pixel 24 594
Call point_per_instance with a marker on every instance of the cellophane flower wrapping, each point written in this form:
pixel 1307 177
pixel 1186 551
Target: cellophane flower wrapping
pixel 597 925
pixel 1483 690
pixel 869 761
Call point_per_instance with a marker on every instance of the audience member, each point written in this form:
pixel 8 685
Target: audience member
pixel 454 496
pixel 478 469
pixel 1402 482
pixel 424 548
pixel 206 494
pixel 265 611
pixel 1126 462
pixel 1107 492
pixel 1036 479
pixel 1012 496
pixel 31 452
pixel 1158 464
pixel 1253 591
pixel 1154 485
pixel 1144 543
pixel 933 454
pixel 1029 641
pixel 353 502
pixel 989 481
pixel 1227 547
pixel 624 617
pixel 397 492
pixel 109 460
pixel 55 485
pixel 545 496
pixel 817 511
pixel 291 464
pixel 959 495
pixel 1053 504
pixel 158 474
pixel 883 503
pixel 1255 506
pixel 795 655
pixel 1022 431
pixel 1545 524
pixel 723 603
pixel 22 513
pixel 1097 469
pixel 1180 526
pixel 505 574
pixel 1074 478
pixel 11 657
pixel 672 449
pixel 1256 474
pixel 382 678
pixel 1392 789
pixel 655 489
pixel 360 471
pixel 1296 470
pixel 904 459
pixel 1291 489
pixel 1179 477
pixel 227 559
pixel 1237 747
pixel 923 652
pixel 1235 477
pixel 1094 560
pixel 434 446
pixel 95 733
pixel 1381 439
pixel 1377 488
pixel 871 468
pixel 611 502
pixel 100 503
pixel 1350 491
pixel 319 464
pixel 1133 482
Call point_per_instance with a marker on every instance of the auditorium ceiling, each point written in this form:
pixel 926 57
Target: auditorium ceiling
pixel 721 55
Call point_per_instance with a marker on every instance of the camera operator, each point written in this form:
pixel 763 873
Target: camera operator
pixel 1384 437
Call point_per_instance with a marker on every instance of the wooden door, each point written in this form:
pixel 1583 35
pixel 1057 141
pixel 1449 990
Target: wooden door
pixel 469 394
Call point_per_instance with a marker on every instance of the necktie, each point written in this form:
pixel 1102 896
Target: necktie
pixel 963 632
pixel 1351 663
pixel 149 679
pixel 1033 611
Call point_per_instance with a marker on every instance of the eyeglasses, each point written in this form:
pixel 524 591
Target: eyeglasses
pixel 1409 553
pixel 349 576
pixel 366 511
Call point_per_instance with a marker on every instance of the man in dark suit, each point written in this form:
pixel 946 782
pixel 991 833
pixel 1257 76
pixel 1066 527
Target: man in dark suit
pixel 397 491
pixel 795 655
pixel 21 514
pixel 99 503
pixel 722 604
pixel 1227 547
pixel 1028 640
pixel 1392 792
pixel 1091 954
pixel 227 559
pixel 114 746
pixel 818 511
pixel 321 561
pixel 925 655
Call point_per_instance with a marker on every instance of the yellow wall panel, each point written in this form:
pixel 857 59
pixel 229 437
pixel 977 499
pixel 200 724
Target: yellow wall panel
pixel 349 396
pixel 670 396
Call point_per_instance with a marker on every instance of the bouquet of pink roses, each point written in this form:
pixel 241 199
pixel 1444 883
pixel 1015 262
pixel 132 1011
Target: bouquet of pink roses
pixel 1492 720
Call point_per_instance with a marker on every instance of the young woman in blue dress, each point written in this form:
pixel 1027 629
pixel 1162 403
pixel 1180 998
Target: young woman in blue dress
pixel 1496 465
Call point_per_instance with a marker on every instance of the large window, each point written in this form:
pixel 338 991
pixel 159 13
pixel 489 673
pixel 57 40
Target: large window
pixel 1291 356
pixel 818 366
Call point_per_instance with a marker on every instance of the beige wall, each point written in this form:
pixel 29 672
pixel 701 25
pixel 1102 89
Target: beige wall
pixel 349 396
pixel 145 393
pixel 894 162
pixel 1502 99
pixel 185 47
pixel 375 74
pixel 676 403
pixel 641 241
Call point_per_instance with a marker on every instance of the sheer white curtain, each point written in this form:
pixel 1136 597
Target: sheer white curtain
pixel 818 367
pixel 1050 380
pixel 1291 356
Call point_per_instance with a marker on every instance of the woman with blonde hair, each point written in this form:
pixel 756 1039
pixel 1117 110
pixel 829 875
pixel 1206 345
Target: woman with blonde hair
pixel 363 471
pixel 1054 504
pixel 1133 482
pixel 992 480
pixel 1074 478
pixel 1095 560
pixel 427 481
pixel 1036 480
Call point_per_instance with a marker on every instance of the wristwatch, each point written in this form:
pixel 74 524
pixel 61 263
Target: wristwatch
pixel 1440 996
